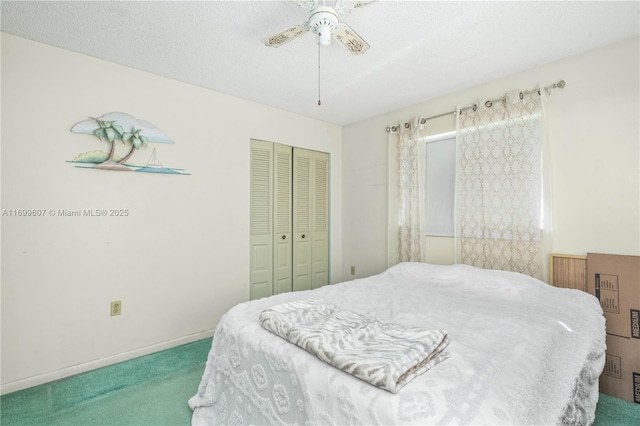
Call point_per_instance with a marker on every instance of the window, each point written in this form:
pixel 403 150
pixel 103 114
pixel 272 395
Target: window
pixel 439 184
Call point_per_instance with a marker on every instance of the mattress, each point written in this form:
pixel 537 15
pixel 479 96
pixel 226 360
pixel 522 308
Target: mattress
pixel 520 352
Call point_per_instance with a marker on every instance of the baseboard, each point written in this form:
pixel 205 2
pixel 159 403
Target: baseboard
pixel 99 363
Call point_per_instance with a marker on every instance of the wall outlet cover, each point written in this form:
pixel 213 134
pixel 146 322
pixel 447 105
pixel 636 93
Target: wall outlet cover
pixel 116 308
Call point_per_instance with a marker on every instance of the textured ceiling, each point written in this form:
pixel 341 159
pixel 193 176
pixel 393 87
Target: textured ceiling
pixel 419 49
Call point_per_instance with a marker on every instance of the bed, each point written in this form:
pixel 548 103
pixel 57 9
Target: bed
pixel 520 352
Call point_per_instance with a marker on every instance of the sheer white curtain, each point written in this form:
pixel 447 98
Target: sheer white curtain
pixel 409 200
pixel 499 185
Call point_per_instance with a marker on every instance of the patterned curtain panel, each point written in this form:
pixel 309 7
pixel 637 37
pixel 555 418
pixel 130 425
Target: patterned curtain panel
pixel 499 185
pixel 410 208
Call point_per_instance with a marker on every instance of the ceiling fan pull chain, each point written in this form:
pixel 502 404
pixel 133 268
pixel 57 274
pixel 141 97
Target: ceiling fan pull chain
pixel 319 103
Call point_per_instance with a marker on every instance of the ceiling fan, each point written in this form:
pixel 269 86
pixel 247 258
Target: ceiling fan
pixel 323 21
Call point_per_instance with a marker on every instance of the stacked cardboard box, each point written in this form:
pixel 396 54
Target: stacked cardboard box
pixel 615 281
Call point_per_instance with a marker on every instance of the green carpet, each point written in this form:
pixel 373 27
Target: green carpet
pixel 154 390
pixel 150 390
pixel 616 412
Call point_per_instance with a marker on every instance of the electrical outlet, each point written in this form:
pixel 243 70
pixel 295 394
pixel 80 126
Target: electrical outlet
pixel 116 308
pixel 353 270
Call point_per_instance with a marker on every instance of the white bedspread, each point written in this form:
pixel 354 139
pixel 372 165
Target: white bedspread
pixel 387 355
pixel 521 352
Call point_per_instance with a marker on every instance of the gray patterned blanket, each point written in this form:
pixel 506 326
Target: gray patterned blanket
pixel 386 355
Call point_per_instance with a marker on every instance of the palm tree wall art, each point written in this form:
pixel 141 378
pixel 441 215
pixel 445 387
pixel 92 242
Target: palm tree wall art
pixel 131 132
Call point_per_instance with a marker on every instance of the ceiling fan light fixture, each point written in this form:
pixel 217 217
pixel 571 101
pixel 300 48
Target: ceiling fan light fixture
pixel 324 37
pixel 322 22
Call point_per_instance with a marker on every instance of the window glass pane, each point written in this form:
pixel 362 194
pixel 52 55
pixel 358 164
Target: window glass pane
pixel 440 177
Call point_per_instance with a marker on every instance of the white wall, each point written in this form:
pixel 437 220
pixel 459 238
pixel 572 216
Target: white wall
pixel 595 147
pixel 181 257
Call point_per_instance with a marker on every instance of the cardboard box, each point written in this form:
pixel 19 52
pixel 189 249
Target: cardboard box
pixel 615 281
pixel 621 374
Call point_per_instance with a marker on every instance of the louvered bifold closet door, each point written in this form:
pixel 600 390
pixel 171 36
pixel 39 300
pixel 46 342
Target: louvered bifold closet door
pixel 282 242
pixel 302 199
pixel 310 219
pixel 320 220
pixel 261 228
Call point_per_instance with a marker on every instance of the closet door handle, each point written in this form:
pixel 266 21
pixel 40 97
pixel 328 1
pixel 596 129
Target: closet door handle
pixel 284 237
pixel 303 235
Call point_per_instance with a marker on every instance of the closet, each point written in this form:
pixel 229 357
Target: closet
pixel 289 230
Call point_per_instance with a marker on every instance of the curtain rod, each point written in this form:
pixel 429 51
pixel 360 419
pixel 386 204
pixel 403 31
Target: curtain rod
pixel 423 120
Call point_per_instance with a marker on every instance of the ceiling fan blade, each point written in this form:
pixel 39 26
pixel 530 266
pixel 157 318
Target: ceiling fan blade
pixel 350 39
pixel 343 6
pixel 286 36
